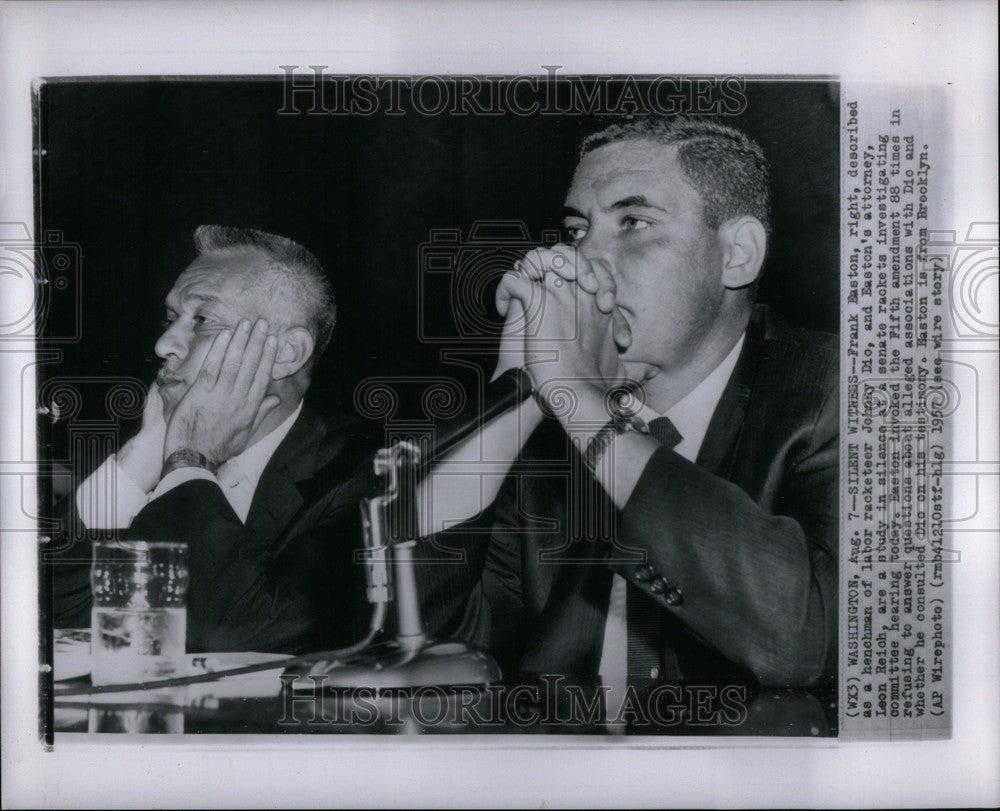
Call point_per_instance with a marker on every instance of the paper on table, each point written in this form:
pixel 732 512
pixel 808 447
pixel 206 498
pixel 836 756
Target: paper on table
pixel 71 653
pixel 72 660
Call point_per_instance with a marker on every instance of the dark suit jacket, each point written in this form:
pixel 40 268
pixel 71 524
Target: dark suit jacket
pixel 746 539
pixel 286 580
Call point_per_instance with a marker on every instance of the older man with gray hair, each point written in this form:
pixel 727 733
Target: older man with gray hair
pixel 228 457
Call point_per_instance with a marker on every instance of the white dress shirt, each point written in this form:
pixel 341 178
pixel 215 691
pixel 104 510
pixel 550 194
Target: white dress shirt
pixel 691 417
pixel 109 499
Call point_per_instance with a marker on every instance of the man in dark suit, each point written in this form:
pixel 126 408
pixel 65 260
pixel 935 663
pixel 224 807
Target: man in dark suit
pixel 684 530
pixel 231 461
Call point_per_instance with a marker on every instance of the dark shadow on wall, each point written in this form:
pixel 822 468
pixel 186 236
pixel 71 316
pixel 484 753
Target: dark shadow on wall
pixel 131 167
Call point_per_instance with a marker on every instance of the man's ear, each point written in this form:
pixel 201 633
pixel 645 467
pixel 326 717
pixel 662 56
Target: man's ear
pixel 295 347
pixel 744 243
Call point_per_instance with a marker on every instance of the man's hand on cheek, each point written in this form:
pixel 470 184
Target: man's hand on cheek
pixel 228 400
pixel 142 456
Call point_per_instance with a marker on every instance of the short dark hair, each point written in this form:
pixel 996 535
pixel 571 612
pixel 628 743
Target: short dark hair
pixel 722 164
pixel 298 272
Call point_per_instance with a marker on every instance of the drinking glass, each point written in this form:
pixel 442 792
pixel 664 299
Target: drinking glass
pixel 139 616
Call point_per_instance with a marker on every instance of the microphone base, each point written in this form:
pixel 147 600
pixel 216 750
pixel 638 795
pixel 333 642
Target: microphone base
pixel 386 665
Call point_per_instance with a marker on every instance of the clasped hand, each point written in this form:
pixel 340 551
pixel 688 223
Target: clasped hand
pixel 562 324
pixel 228 400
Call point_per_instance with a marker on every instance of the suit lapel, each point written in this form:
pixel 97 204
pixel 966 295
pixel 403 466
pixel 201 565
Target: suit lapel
pixel 684 659
pixel 278 497
pixel 716 453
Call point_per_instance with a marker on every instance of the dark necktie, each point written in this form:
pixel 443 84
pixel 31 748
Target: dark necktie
pixel 642 613
pixel 665 432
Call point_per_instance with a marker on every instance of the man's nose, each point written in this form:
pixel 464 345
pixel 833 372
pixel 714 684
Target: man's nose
pixel 594 247
pixel 597 251
pixel 172 342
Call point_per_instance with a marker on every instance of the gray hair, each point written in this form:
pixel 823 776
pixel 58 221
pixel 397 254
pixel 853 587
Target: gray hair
pixel 297 271
pixel 723 165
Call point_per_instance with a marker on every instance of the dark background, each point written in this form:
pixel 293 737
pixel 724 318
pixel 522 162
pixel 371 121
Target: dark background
pixel 129 168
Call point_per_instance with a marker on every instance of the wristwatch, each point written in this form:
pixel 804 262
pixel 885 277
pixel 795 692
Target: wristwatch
pixel 185 457
pixel 621 422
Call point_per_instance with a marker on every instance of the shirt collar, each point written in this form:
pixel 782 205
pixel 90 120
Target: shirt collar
pixel 253 460
pixel 693 412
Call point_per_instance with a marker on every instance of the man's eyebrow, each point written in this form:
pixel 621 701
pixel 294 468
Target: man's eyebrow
pixel 174 302
pixel 632 201
pixel 635 201
pixel 203 297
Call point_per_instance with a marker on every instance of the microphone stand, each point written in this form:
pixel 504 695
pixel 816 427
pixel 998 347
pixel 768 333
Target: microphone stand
pixel 390 526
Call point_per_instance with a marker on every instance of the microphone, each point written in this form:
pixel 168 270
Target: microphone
pixel 509 390
pixel 389 524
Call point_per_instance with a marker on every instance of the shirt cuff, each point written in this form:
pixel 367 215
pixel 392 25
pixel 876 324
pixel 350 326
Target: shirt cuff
pixel 177 477
pixel 108 498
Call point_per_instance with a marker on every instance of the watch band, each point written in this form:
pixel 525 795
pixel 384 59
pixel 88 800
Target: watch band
pixel 185 457
pixel 621 423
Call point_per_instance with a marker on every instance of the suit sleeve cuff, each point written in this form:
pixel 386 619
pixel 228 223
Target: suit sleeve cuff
pixel 647 536
pixel 175 478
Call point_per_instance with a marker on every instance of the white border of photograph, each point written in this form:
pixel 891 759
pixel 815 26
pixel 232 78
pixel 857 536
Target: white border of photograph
pixel 952 45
